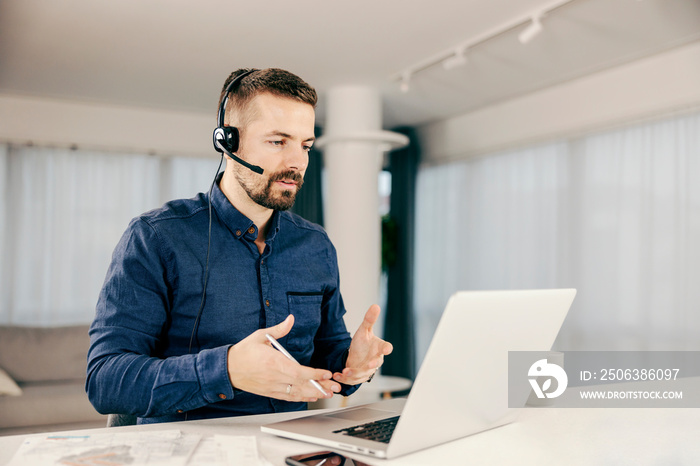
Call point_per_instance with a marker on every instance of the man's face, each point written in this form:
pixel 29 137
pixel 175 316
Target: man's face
pixel 278 139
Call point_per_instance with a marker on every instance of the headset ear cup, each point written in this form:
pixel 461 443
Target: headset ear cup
pixel 226 137
pixel 231 138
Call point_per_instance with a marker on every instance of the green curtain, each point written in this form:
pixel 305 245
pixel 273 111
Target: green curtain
pixel 397 238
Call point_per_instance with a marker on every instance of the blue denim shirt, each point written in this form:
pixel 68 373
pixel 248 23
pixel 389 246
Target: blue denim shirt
pixel 139 360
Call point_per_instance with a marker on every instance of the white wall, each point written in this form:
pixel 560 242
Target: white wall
pixel 101 127
pixel 658 85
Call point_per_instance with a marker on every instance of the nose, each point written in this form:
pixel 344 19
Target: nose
pixel 297 159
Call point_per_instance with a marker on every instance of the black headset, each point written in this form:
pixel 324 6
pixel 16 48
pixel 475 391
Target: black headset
pixel 227 138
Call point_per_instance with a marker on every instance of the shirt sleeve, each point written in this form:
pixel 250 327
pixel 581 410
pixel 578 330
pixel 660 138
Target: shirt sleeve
pixel 124 373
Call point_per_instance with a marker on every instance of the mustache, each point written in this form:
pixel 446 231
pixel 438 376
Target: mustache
pixel 287 175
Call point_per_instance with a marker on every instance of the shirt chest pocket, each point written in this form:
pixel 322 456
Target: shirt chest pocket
pixel 306 308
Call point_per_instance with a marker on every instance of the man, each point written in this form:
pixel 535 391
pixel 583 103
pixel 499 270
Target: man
pixel 164 349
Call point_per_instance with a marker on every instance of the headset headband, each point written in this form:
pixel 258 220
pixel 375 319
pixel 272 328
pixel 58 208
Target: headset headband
pixel 229 89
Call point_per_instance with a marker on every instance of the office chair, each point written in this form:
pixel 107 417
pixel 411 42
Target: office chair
pixel 116 420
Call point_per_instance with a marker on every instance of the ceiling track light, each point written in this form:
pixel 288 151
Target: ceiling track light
pixel 532 30
pixel 405 85
pixel 456 56
pixel 459 58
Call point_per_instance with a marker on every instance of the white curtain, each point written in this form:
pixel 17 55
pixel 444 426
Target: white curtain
pixel 62 214
pixel 615 215
pixel 5 271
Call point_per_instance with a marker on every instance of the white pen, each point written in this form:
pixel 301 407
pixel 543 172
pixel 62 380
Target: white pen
pixel 281 349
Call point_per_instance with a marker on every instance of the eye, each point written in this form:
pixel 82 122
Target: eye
pixel 277 143
pixel 307 148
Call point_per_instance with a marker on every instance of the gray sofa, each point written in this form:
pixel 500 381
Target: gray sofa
pixel 48 365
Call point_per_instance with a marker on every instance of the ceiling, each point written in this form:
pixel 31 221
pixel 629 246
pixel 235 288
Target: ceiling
pixel 175 54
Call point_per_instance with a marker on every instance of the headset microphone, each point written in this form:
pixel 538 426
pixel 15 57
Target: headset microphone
pixel 227 138
pixel 250 166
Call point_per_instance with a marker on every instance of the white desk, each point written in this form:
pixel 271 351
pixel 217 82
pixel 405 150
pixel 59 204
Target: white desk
pixel 552 436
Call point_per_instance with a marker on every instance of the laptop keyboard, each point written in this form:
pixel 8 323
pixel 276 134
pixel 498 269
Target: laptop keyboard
pixel 379 431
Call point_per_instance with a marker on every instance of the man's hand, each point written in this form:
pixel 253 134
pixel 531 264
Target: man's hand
pixel 366 353
pixel 255 366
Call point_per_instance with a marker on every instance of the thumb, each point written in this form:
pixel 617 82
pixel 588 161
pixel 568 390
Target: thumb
pixel 281 329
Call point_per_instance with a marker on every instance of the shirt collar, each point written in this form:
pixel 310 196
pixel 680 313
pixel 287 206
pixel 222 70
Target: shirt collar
pixel 274 226
pixel 239 225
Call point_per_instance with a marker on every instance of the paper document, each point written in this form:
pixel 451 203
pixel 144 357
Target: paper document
pixel 227 450
pixel 147 448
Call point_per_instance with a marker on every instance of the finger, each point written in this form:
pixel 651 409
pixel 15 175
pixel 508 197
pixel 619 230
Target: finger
pixel 292 372
pixel 352 377
pixel 280 330
pixel 341 378
pixel 348 375
pixel 359 374
pixel 304 373
pixel 387 348
pixel 371 317
pixel 306 391
pixel 291 392
pixel 330 386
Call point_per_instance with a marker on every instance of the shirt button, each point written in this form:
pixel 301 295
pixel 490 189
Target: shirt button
pixel 222 396
pixel 251 230
pixel 179 411
pixel 238 232
pixel 267 302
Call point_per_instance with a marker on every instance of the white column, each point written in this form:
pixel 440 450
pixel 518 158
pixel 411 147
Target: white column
pixel 353 145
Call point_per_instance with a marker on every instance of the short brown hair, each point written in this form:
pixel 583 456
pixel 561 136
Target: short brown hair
pixel 273 80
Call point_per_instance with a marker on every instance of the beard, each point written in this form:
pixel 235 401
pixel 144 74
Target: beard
pixel 262 193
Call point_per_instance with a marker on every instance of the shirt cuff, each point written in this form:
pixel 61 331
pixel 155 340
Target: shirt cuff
pixel 346 390
pixel 212 370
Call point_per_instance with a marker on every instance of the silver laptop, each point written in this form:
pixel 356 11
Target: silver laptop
pixel 462 385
